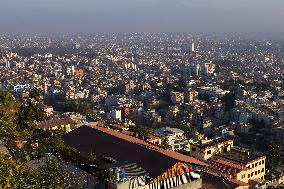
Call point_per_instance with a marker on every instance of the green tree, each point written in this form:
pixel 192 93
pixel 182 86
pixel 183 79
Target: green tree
pixel 181 84
pixel 14 174
pixel 272 150
pixel 69 154
pixel 189 131
pixel 83 108
pixel 142 130
pixel 8 130
pixel 166 95
pixel 78 107
pixel 30 113
pixel 54 175
pixel 35 94
pixel 229 101
pixel 8 106
pixel 165 143
pixel 204 97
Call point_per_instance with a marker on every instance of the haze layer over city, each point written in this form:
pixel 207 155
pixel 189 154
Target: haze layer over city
pixel 152 94
pixel 254 16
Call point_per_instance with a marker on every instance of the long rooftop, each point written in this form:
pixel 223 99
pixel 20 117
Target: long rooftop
pixel 123 148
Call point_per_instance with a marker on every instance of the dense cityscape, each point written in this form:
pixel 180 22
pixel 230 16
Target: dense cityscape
pixel 141 110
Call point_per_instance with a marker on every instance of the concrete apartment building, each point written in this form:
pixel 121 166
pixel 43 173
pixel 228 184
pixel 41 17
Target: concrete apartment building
pixel 207 149
pixel 174 136
pixel 230 161
pixel 253 166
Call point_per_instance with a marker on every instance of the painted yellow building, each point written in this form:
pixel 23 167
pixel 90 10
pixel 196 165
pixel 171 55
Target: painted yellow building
pixel 254 164
pixel 207 149
pixel 154 140
pixel 228 169
pixel 230 161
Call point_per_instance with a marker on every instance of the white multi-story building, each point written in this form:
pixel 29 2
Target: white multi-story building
pixel 174 136
pixel 212 91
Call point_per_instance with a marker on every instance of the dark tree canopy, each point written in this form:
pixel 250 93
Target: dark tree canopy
pixel 30 113
pixel 35 94
pixel 181 84
pixel 275 160
pixel 54 175
pixel 16 174
pixel 229 101
pixel 18 126
pixel 78 107
pixel 204 97
pixel 8 106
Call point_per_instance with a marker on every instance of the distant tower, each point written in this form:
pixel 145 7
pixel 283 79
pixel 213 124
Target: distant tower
pixel 192 47
pixel 198 69
pixel 72 70
pixel 7 64
pixel 49 42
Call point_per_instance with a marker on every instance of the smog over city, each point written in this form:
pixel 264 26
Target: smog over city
pixel 201 16
pixel 148 94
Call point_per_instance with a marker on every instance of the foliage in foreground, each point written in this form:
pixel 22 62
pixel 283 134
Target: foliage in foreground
pixel 16 174
pixel 18 124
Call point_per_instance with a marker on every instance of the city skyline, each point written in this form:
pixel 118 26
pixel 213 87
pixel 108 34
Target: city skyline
pixel 128 94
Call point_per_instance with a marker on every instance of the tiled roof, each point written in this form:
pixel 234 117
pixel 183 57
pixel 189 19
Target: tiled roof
pixel 214 181
pixel 226 166
pixel 56 122
pixel 110 143
pixel 169 153
pixel 153 137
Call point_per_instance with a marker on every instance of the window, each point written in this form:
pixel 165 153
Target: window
pixel 208 152
pixel 255 172
pixel 249 166
pixel 262 170
pixel 260 163
pixel 255 164
pixel 248 175
pixel 252 165
pixel 251 174
pixel 243 176
pixel 258 171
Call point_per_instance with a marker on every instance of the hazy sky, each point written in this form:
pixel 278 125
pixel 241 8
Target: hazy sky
pixel 26 6
pixel 78 15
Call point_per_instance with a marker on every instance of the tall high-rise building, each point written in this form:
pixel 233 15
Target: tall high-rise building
pixel 202 69
pixel 7 64
pixel 193 47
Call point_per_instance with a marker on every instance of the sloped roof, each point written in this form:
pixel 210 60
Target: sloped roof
pixel 110 143
pixel 48 124
pixel 226 166
pixel 213 181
